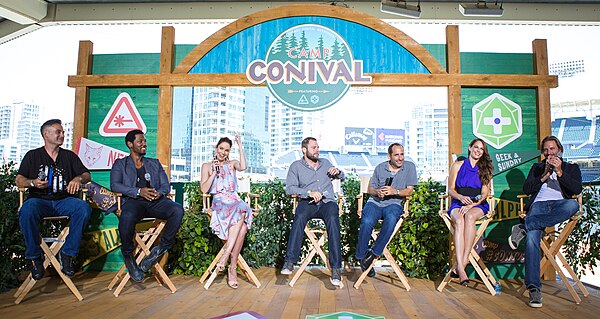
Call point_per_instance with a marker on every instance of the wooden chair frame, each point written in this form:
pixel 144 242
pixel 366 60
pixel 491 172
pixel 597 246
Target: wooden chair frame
pixel 474 259
pixel 144 241
pixel 316 237
pixel 212 269
pixel 386 253
pixel 550 245
pixel 50 253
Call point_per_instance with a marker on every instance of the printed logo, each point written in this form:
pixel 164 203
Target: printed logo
pixel 497 120
pixel 308 67
pixel 122 117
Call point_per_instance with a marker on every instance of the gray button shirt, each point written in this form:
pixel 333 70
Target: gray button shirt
pixel 302 178
pixel 404 177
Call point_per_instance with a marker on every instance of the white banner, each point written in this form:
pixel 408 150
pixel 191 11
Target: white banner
pixel 96 156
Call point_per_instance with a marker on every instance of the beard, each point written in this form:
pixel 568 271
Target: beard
pixel 312 157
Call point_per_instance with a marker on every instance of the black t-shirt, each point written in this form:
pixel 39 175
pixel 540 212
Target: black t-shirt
pixel 37 163
pixel 141 177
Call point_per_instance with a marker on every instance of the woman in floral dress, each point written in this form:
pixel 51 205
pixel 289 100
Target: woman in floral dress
pixel 231 216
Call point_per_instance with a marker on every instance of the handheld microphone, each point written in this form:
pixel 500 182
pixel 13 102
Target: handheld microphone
pixel 147 177
pixel 474 199
pixel 42 175
pixel 388 181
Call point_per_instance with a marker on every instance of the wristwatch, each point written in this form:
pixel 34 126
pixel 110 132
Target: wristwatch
pixel 397 192
pixel 138 192
pixel 31 183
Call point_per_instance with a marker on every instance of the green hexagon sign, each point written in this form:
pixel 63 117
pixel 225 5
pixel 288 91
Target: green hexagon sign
pixel 497 120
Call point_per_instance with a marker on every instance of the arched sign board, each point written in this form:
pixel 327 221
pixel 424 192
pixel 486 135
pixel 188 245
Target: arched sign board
pixel 308 56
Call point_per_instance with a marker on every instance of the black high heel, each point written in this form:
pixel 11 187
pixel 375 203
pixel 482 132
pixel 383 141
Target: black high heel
pixel 454 275
pixel 465 282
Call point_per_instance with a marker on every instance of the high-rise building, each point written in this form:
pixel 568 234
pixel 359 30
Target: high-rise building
pixel 256 134
pixel 68 142
pixel 216 112
pixel 428 140
pixel 287 127
pixel 181 147
pixel 19 129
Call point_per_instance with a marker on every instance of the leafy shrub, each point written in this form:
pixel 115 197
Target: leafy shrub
pixel 582 248
pixel 349 221
pixel 421 245
pixel 12 244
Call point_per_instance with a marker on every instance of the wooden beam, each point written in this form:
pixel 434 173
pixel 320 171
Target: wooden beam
pixel 381 79
pixel 454 93
pixel 544 125
pixel 82 93
pixel 540 67
pixel 165 100
pixel 323 10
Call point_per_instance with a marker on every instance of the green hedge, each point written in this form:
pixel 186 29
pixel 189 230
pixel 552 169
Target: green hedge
pixel 421 246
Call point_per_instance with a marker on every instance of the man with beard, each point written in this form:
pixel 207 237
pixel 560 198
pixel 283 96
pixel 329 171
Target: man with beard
pixel 54 177
pixel 310 179
pixel 552 183
pixel 144 184
pixel 391 182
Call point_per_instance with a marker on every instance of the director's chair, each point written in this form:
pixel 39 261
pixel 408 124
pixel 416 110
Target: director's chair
pixel 50 253
pixel 317 235
pixel 243 187
pixel 551 243
pixel 144 240
pixel 364 188
pixel 474 259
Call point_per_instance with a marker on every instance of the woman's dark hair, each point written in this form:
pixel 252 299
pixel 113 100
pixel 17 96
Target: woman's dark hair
pixel 484 164
pixel 226 140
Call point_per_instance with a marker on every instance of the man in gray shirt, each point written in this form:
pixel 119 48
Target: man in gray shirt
pixel 391 182
pixel 310 179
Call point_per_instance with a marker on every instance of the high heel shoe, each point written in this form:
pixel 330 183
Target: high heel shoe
pixel 465 282
pixel 454 275
pixel 222 261
pixel 232 276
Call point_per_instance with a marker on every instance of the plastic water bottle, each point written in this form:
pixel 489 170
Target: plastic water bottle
pixel 498 288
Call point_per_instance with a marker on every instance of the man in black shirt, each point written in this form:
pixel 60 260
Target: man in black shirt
pixel 54 177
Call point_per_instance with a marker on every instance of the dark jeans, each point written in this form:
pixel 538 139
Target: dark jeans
pixel 541 215
pixel 370 216
pixel 135 210
pixel 34 209
pixel 328 212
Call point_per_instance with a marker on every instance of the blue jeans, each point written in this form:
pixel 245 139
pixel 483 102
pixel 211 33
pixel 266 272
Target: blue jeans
pixel 328 212
pixel 135 210
pixel 34 209
pixel 541 215
pixel 370 216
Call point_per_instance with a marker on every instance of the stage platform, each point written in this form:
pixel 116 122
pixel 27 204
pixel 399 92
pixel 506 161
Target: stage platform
pixel 383 295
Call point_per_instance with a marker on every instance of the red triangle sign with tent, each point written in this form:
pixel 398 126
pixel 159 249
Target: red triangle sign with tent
pixel 122 117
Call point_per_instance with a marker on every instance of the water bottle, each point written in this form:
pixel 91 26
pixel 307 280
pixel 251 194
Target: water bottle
pixel 498 289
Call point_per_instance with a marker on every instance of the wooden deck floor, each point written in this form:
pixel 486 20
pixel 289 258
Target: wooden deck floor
pixel 312 294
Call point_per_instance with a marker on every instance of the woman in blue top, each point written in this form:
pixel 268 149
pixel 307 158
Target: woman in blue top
pixel 468 186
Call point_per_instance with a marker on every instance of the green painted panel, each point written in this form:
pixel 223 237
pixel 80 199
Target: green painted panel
pixel 132 63
pixel 496 63
pixel 438 51
pixel 182 50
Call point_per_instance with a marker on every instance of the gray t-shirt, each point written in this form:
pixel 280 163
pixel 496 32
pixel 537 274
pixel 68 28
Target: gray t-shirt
pixel 404 177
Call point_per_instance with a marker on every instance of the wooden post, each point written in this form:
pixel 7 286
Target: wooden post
pixel 82 94
pixel 454 94
pixel 544 125
pixel 165 100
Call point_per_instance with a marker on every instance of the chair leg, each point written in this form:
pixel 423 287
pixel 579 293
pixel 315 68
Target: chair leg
pixel 64 277
pixel 573 275
pixel 305 263
pixel 248 271
pixel 482 274
pixel 396 268
pixel 560 273
pixel 209 270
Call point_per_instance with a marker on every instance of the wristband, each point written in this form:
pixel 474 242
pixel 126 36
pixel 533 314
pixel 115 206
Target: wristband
pixel 138 192
pixel 308 193
pixel 31 183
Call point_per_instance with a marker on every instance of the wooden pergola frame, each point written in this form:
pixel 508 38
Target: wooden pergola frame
pixel 171 76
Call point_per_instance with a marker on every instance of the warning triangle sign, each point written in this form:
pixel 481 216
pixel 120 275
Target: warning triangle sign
pixel 122 117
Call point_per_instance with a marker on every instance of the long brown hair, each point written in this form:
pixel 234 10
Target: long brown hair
pixel 484 164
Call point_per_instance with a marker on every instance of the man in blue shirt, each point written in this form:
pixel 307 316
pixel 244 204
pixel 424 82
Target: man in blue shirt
pixel 391 182
pixel 310 179
pixel 144 184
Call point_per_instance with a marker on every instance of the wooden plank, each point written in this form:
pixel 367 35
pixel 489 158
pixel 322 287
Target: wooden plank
pixel 454 93
pixel 165 100
pixel 380 79
pixel 323 10
pixel 82 94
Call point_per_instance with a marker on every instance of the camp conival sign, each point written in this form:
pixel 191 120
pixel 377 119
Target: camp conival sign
pixel 308 67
